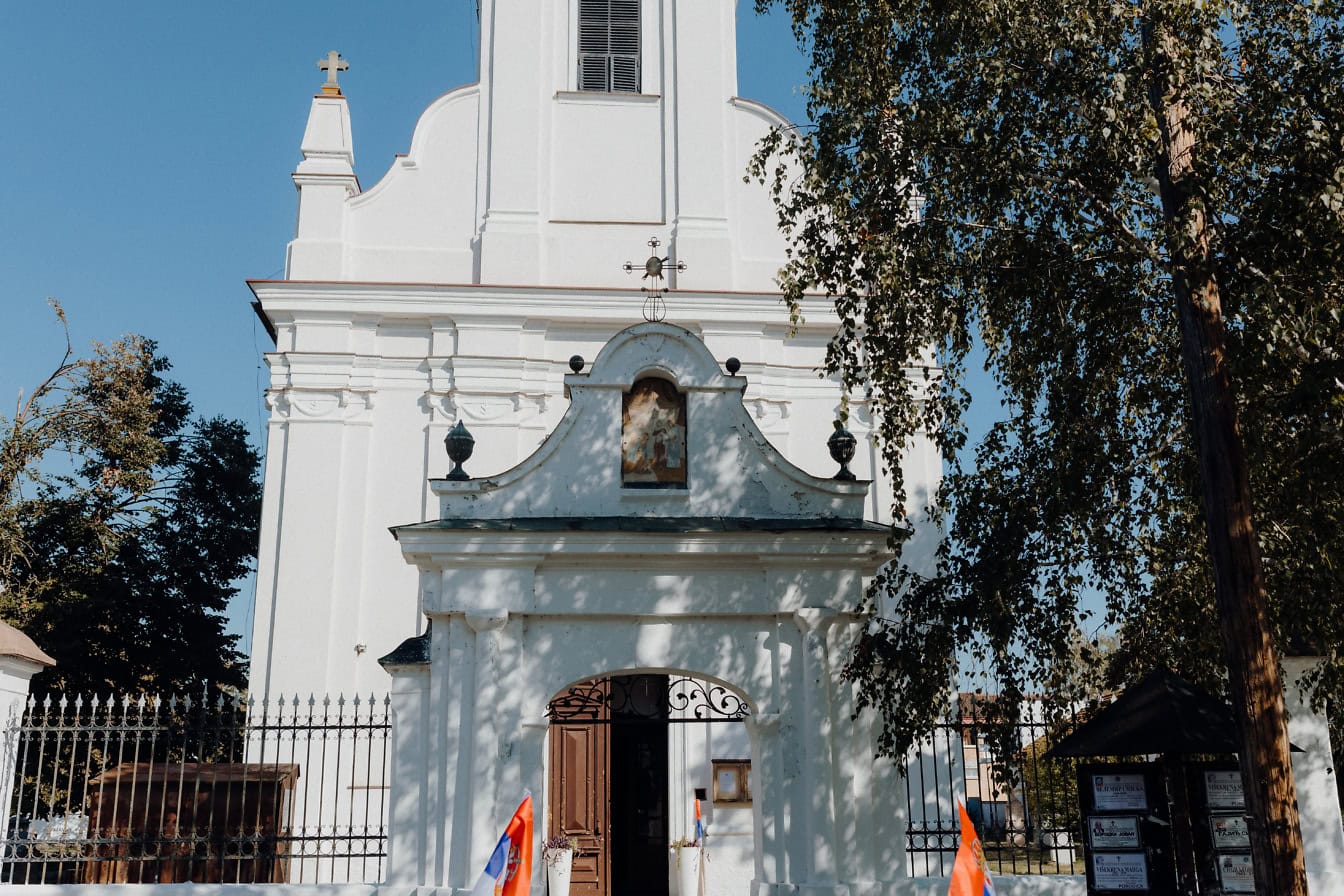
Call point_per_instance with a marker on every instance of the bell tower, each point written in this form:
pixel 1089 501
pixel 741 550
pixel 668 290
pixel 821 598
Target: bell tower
pixel 610 112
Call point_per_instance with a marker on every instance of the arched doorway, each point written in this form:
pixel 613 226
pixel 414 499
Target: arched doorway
pixel 611 785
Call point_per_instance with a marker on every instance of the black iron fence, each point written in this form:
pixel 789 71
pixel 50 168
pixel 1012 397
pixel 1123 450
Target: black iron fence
pixel 223 790
pixel 1024 805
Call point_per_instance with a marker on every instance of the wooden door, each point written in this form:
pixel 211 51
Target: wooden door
pixel 580 795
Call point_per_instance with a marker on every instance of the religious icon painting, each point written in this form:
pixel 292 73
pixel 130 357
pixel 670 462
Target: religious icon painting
pixel 653 435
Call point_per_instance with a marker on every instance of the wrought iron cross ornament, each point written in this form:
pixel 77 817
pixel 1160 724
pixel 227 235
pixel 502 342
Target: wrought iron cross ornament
pixel 655 309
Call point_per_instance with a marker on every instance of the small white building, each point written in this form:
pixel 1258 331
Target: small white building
pixel 654 602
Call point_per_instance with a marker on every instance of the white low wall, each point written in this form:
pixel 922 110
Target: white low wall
pixel 1021 885
pixel 1008 885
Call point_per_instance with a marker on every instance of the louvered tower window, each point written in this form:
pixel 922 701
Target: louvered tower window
pixel 609 45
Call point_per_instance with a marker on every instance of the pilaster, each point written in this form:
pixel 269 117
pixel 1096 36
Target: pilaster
pixel 703 47
pixel 489 748
pixel 411 774
pixel 315 547
pixel 816 731
pixel 453 698
pixel 768 807
pixel 512 89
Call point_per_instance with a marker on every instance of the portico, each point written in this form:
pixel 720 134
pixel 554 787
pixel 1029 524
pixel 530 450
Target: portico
pixel 740 578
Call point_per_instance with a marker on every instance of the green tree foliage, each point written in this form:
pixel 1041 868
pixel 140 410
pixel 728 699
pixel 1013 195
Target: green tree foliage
pixel 125 525
pixel 1050 788
pixel 984 173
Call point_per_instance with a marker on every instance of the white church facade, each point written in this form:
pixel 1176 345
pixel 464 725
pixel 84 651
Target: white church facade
pixel 457 287
pixel 645 584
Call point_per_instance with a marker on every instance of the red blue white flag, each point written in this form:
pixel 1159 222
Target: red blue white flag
pixel 509 871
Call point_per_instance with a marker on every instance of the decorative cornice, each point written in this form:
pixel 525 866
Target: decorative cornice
pixel 771 414
pixel 288 404
pixel 486 408
pixel 599 306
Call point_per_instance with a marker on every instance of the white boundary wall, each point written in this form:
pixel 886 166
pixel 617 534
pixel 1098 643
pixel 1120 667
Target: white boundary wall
pixel 1023 885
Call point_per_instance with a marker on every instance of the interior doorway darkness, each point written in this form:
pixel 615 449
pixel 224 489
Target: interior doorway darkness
pixel 639 831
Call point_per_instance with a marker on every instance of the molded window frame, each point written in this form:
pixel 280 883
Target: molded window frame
pixel 644 35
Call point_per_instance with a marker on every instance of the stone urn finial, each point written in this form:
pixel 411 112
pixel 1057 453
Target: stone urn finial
pixel 460 443
pixel 841 444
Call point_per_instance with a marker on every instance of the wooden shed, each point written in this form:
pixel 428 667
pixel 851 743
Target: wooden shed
pixel 190 822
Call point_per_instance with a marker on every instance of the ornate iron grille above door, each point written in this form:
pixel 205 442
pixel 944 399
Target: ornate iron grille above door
pixel 627 700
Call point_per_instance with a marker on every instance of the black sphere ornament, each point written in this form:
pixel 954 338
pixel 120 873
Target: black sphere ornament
pixel 460 444
pixel 733 366
pixel 576 363
pixel 841 444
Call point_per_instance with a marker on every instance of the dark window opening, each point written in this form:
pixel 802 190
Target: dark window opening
pixel 609 45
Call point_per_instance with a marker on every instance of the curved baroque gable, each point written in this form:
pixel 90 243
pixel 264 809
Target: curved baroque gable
pixel 731 469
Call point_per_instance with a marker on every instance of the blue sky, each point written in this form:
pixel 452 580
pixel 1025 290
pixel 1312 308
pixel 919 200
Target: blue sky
pixel 147 149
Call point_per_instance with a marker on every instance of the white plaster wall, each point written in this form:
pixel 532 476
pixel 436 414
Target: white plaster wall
pixel 823 816
pixel 459 284
pixel 362 399
pixel 465 686
pixel 611 141
pixel 521 613
pixel 416 224
pixel 730 830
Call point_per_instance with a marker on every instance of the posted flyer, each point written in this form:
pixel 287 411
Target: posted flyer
pixel 1236 874
pixel 1120 871
pixel 1229 832
pixel 1223 790
pixel 1118 793
pixel 1119 832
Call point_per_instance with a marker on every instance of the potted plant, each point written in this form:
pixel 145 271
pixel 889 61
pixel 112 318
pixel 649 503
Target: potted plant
pixel 558 854
pixel 690 855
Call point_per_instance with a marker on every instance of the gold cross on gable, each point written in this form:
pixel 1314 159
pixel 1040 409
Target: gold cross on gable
pixel 331 65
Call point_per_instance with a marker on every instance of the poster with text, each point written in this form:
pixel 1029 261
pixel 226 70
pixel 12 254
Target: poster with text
pixel 1223 790
pixel 1120 832
pixel 1229 832
pixel 1119 871
pixel 1118 793
pixel 1236 874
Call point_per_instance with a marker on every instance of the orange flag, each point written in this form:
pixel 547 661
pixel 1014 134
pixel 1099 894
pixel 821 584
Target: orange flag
pixel 970 876
pixel 509 871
